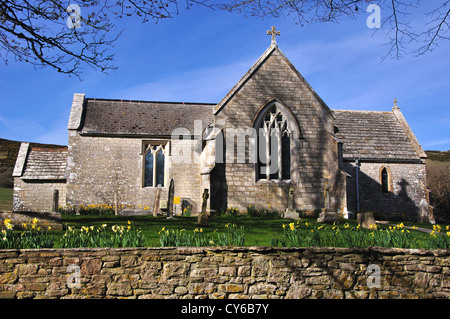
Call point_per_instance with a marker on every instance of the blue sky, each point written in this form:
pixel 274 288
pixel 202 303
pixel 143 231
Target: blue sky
pixel 200 54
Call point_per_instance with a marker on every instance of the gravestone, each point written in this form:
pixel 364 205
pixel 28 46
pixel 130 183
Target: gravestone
pixel 157 199
pixel 290 211
pixel 55 202
pixel 328 215
pixel 170 200
pixel 202 219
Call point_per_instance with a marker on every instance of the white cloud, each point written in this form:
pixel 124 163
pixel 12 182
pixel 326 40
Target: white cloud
pixel 200 85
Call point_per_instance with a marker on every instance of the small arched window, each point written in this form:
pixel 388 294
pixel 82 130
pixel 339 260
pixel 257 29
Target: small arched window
pixel 384 180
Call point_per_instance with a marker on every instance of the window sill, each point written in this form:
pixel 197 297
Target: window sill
pixel 153 187
pixel 285 182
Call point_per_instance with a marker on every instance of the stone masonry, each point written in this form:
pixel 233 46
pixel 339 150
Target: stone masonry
pixel 273 79
pixel 225 272
pixel 101 169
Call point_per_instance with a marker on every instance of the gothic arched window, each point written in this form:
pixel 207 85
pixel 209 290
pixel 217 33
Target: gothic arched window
pixel 273 145
pixel 154 167
pixel 384 180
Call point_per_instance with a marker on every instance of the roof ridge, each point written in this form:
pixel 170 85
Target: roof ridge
pixel 48 149
pixel 372 111
pixel 143 101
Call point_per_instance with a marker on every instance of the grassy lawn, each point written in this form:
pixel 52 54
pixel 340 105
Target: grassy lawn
pixel 258 231
pixel 6 198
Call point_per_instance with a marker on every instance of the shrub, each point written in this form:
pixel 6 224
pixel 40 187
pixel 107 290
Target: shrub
pixel 262 213
pixel 438 181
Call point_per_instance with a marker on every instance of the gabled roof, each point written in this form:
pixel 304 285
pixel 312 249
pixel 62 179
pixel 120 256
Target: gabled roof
pixel 273 48
pixel 373 135
pixel 38 163
pixel 138 118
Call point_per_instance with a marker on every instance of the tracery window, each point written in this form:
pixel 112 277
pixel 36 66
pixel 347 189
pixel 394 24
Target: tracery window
pixel 154 165
pixel 274 146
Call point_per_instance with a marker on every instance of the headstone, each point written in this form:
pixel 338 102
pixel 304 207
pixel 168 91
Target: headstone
pixel 133 212
pixel 55 202
pixel 328 215
pixel 202 219
pixel 170 200
pixel 185 204
pixel 290 211
pixel 157 199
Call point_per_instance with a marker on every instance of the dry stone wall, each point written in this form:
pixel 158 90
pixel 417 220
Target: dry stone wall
pixel 226 272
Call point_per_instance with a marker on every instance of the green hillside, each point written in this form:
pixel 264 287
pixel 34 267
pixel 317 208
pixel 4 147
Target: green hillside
pixel 438 156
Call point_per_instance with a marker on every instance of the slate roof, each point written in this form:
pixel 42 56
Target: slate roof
pixel 138 118
pixel 373 135
pixel 45 164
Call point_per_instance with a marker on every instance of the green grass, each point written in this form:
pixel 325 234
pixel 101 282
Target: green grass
pixel 6 198
pixel 258 231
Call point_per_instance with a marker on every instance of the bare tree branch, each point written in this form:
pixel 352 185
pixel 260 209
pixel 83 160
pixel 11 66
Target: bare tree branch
pixel 440 25
pixel 37 32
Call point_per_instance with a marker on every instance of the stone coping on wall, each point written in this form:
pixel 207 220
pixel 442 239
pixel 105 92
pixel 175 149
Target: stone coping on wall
pixel 225 272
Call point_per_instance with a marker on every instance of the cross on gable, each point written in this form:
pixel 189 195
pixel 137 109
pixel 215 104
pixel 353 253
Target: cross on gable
pixel 273 33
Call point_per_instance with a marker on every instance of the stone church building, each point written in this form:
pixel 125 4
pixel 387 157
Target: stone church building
pixel 270 136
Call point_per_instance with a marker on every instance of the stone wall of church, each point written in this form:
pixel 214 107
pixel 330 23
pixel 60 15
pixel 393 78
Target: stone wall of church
pixel 406 190
pixel 316 161
pixel 37 196
pixel 101 169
